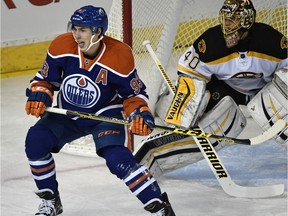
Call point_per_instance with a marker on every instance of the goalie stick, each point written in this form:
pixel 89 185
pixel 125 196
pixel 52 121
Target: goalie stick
pixel 210 155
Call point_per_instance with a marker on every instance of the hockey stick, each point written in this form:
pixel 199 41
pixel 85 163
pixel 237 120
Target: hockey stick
pixel 194 132
pixel 209 153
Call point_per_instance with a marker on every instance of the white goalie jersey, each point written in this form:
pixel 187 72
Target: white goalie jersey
pixel 247 67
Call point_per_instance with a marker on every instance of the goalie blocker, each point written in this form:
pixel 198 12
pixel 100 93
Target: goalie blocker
pixel 189 102
pixel 270 104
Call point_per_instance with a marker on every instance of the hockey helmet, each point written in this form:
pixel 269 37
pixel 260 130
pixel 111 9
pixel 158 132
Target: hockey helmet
pixel 236 15
pixel 94 17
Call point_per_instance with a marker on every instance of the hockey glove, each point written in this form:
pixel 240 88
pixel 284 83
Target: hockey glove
pixel 39 97
pixel 141 121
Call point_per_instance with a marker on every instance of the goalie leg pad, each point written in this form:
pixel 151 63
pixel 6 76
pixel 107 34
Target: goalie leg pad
pixel 225 119
pixel 170 156
pixel 169 152
pixel 166 152
pixel 270 104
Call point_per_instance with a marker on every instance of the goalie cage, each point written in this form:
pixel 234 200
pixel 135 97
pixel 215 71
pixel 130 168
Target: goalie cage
pixel 171 26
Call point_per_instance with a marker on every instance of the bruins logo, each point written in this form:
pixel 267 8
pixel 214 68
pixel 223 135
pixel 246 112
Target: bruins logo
pixel 248 75
pixel 202 46
pixel 283 43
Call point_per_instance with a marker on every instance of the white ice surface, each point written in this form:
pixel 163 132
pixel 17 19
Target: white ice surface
pixel 88 189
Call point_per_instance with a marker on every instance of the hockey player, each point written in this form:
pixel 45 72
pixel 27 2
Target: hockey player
pixel 237 59
pixel 227 66
pixel 93 73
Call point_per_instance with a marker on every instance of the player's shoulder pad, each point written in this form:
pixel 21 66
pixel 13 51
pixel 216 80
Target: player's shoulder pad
pixel 118 56
pixel 269 41
pixel 63 44
pixel 211 45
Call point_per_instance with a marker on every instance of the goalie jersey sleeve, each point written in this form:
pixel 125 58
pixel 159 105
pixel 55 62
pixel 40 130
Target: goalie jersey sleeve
pixel 104 83
pixel 247 67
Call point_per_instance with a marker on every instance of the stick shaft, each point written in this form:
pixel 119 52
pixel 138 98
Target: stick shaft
pixel 194 132
pixel 159 65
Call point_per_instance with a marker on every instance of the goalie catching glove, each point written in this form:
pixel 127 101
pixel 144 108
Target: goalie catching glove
pixel 141 121
pixel 40 96
pixel 270 104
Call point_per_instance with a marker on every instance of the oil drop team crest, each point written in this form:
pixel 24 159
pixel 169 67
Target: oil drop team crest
pixel 80 90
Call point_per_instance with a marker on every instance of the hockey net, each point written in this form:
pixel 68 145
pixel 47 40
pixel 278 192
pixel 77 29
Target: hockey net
pixel 171 26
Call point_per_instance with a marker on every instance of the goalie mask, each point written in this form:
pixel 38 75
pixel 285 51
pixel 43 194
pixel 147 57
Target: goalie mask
pixel 236 17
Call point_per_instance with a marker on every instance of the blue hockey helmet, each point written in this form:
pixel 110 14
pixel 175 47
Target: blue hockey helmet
pixel 94 17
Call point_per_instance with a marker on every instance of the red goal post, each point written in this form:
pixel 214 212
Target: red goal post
pixel 171 26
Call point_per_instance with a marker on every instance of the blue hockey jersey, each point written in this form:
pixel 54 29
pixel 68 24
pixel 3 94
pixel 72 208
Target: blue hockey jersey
pixel 106 84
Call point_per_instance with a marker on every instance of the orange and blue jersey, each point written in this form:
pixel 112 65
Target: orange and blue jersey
pixel 103 84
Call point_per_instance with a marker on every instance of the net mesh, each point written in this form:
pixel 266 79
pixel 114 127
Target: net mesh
pixel 172 26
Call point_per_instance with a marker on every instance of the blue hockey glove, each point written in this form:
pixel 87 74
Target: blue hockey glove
pixel 39 97
pixel 141 121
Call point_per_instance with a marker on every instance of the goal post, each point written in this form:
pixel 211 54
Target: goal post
pixel 127 22
pixel 172 26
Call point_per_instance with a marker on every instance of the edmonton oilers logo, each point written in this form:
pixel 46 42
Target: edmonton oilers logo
pixel 80 90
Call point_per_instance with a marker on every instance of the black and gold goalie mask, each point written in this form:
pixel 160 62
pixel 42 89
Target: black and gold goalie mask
pixel 236 17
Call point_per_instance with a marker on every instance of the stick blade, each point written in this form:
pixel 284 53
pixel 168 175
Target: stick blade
pixel 270 133
pixel 239 191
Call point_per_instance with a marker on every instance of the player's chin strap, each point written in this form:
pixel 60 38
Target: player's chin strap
pixel 93 43
pixel 194 132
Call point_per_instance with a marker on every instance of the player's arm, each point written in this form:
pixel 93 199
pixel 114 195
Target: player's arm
pixel 42 87
pixel 135 103
pixel 136 107
pixel 133 92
